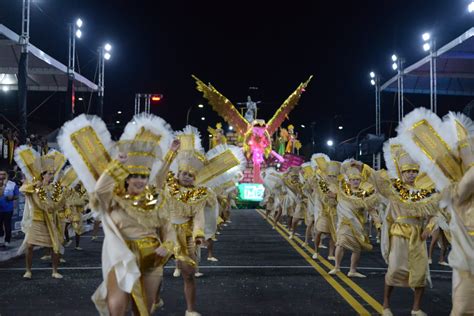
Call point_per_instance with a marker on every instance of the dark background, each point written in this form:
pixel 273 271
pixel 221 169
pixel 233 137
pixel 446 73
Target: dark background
pixel 157 45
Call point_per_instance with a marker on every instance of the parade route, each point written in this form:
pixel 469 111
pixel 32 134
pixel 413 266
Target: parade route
pixel 259 272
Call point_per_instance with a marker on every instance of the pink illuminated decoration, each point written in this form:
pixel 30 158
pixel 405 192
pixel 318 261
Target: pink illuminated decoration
pixel 258 146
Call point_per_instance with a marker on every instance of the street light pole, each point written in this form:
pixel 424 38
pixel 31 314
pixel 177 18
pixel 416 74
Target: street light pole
pixel 375 81
pixel 74 30
pixel 430 45
pixel 100 110
pixel 23 70
pixel 189 112
pixel 104 54
pixel 398 66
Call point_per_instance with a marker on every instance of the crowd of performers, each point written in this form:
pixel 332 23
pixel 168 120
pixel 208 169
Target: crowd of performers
pixel 426 190
pixel 159 195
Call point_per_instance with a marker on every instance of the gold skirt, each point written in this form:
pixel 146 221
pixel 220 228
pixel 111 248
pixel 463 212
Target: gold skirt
pixel 345 238
pixel 147 260
pixel 323 224
pixel 398 273
pixel 38 235
pixel 185 250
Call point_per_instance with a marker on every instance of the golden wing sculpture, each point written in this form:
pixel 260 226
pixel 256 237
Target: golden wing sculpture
pixel 222 106
pixel 282 113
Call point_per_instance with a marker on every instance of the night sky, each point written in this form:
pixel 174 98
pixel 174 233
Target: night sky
pixel 235 45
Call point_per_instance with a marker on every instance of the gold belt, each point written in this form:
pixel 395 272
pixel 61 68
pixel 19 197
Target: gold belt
pixel 142 243
pixel 38 215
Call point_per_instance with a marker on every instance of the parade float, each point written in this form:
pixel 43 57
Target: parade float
pixel 255 136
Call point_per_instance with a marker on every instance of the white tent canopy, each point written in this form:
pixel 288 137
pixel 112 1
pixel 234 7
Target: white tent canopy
pixel 44 72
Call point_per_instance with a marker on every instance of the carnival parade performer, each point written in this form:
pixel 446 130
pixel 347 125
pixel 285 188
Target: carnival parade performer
pixel 45 197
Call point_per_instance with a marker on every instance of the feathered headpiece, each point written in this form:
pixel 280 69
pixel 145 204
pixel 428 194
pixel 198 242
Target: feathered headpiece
pixel 222 164
pixel 86 143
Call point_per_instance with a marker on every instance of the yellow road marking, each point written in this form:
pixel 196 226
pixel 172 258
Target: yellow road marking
pixel 361 310
pixel 361 292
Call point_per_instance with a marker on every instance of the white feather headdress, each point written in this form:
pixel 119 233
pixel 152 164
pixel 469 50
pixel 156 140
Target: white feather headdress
pixel 149 127
pixel 406 137
pixel 223 163
pixel 28 160
pixel 88 161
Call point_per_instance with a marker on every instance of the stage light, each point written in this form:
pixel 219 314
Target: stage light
pixel 108 47
pixel 330 143
pixel 5 88
pixel 203 118
pixel 372 74
pixel 340 127
pixel 107 56
pixel 119 112
pixel 372 82
pixel 200 106
pixel 302 125
pixel 80 99
pixel 231 128
pixel 79 23
pixel 118 122
pixel 78 33
pixel 394 66
pixel 470 7
pixel 394 57
pixel 426 36
pixel 426 47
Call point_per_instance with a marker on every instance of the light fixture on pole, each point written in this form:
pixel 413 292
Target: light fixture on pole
pixel 74 32
pixel 375 81
pixel 397 65
pixel 470 7
pixel 330 142
pixel 189 112
pixel 429 46
pixel 104 54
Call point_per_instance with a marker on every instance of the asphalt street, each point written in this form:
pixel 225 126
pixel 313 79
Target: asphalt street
pixel 259 272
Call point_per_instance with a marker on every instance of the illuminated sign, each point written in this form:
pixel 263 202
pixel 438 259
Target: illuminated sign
pixel 251 192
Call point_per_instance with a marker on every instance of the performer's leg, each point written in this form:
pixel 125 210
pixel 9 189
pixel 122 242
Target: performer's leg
pixel 56 257
pixel 187 271
pixel 289 220
pixel 339 255
pixel 354 261
pixel 308 231
pixel 95 230
pixel 434 241
pixel 317 240
pixel 66 232
pixel 78 240
pixel 277 217
pixel 152 285
pixel 210 248
pixel 117 300
pixel 417 298
pixel 331 247
pixel 388 289
pixel 444 246
pixel 28 260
